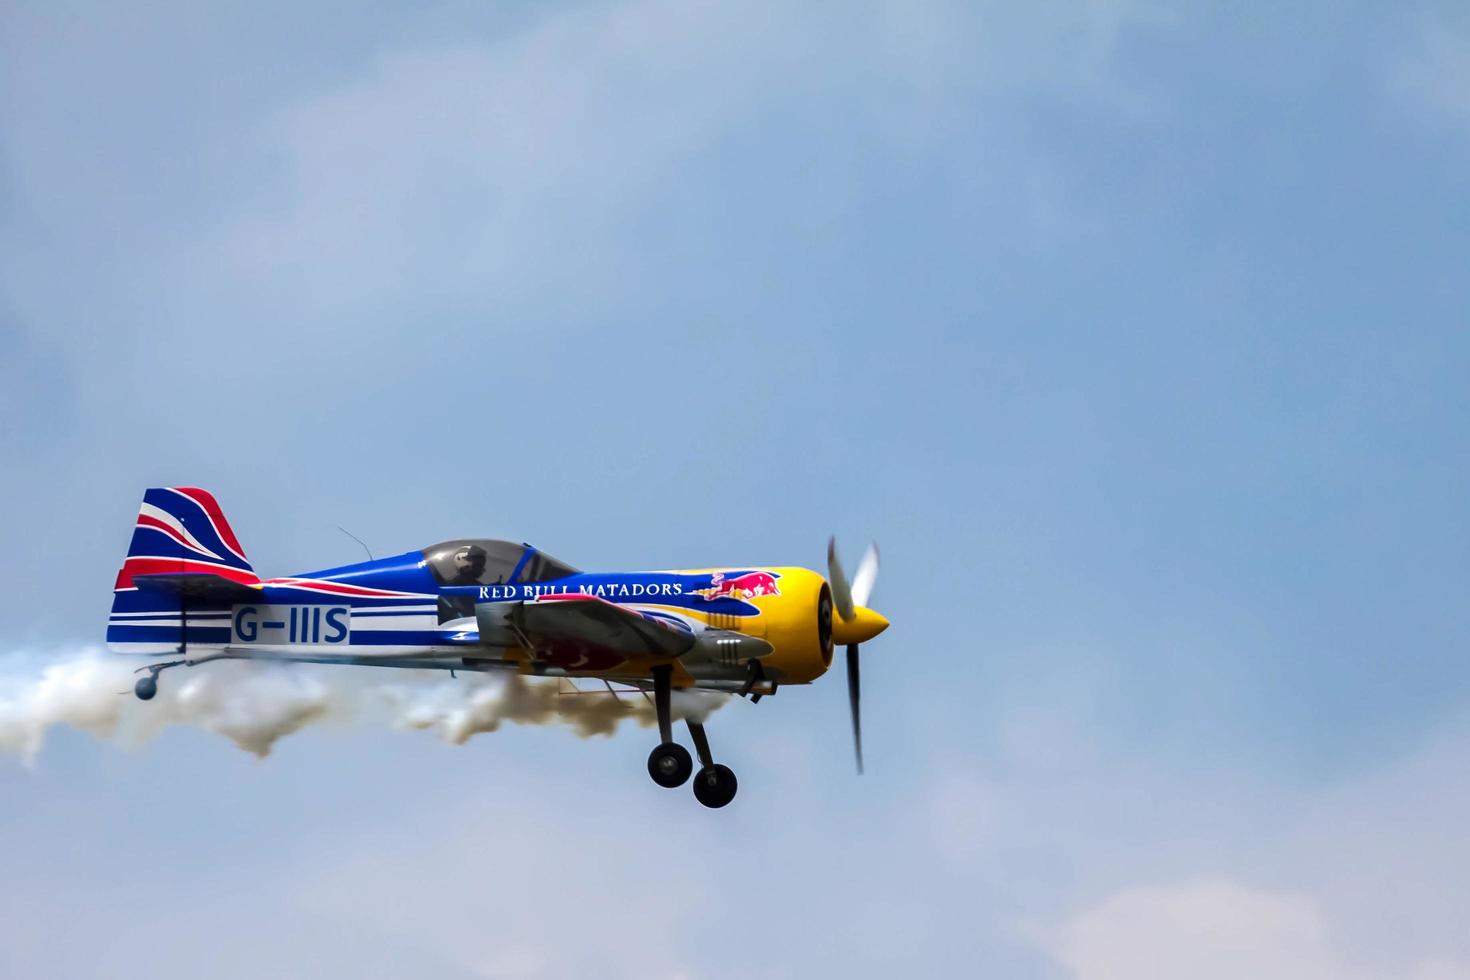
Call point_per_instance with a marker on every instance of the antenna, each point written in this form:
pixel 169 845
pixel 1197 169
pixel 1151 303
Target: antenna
pixel 357 539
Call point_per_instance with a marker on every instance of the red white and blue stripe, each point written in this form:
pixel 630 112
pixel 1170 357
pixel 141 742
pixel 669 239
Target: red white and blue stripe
pixel 182 530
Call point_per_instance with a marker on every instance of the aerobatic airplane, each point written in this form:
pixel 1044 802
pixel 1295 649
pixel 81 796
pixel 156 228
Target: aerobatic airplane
pixel 186 591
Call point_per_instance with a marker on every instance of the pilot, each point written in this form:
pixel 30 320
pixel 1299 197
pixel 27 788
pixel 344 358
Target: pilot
pixel 468 564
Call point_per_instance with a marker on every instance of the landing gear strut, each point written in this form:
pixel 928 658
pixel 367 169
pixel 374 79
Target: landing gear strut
pixel 669 763
pixel 714 785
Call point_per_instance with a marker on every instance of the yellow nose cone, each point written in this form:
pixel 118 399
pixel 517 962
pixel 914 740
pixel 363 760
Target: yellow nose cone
pixel 862 627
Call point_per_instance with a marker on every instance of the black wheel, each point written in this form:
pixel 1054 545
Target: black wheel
pixel 715 786
pixel 669 765
pixel 146 688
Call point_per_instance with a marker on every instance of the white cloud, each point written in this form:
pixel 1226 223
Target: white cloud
pixel 1205 930
pixel 493 169
pixel 303 252
pixel 1213 929
pixel 1366 878
pixel 538 164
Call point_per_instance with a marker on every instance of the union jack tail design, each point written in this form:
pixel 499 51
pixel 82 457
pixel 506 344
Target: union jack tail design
pixel 182 530
pixel 180 536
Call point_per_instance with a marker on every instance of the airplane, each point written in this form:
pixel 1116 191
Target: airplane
pixel 187 591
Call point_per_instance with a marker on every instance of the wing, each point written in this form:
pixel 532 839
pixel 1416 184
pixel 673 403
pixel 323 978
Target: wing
pixel 580 632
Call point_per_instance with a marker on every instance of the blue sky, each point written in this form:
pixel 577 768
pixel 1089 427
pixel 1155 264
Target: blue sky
pixel 1137 335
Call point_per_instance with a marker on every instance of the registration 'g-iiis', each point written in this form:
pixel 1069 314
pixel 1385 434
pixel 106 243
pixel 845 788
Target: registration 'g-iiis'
pixel 187 591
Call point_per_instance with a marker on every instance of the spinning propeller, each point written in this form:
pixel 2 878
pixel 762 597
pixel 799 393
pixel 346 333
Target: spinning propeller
pixel 855 624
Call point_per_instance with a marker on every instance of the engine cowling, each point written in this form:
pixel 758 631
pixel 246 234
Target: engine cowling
pixel 798 625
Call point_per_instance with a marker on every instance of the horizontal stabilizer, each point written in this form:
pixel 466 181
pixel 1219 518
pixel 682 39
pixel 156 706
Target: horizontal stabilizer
pixel 202 587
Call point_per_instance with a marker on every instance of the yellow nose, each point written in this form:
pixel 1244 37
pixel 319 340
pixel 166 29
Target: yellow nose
pixel 862 627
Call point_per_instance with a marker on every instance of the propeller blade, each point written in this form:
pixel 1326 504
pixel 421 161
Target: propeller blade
pixel 854 695
pixel 841 591
pixel 867 574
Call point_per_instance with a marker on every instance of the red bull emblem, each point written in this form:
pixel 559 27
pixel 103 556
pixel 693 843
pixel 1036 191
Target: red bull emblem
pixel 746 586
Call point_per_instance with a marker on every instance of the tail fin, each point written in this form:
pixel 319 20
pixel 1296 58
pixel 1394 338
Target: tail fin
pixel 180 531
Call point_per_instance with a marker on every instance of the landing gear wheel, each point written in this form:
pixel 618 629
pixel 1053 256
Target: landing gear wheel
pixel 146 687
pixel 669 765
pixel 714 786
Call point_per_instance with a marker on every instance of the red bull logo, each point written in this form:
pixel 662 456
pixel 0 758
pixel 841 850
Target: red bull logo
pixel 747 585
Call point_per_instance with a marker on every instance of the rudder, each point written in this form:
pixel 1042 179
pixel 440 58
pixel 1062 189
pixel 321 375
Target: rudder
pixel 179 531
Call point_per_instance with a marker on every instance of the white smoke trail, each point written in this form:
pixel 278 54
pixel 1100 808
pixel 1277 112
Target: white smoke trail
pixel 255 704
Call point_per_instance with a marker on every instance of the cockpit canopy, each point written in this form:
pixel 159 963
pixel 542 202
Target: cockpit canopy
pixel 482 561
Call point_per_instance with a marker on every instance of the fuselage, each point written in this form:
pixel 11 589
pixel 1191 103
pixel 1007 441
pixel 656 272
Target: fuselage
pixel 418 609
